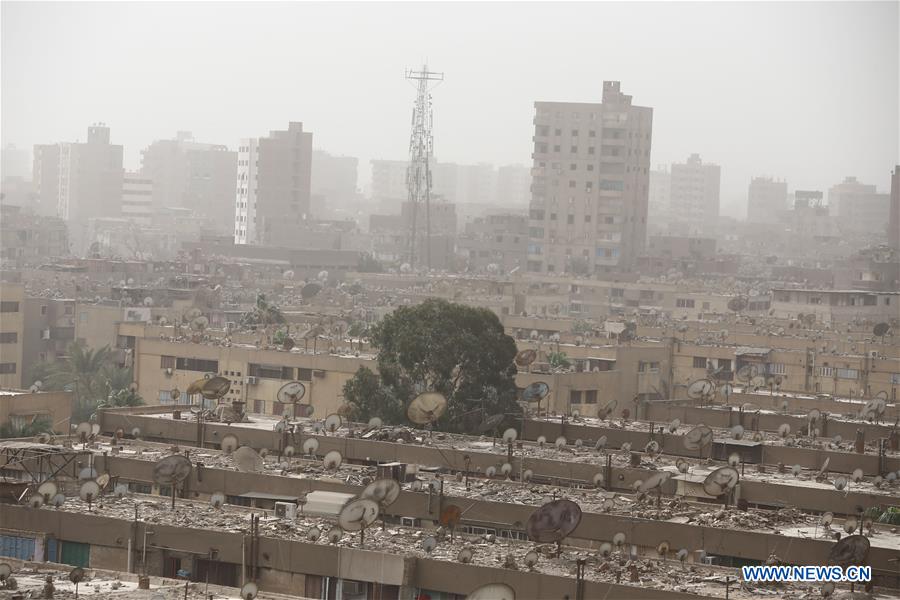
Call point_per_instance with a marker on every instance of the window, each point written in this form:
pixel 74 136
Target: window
pixel 895 378
pixel 825 371
pixel 590 397
pixel 166 362
pixel 847 374
pixel 270 371
pixel 699 362
pixel 575 397
pixel 617 292
pixel 724 364
pixel 870 300
pixel 648 367
pixel 571 183
pixel 684 303
pixel 574 150
pixel 7 368
pixel 9 306
pixel 574 133
pixel 9 337
pixel 197 364
pixel 570 219
pixel 776 369
pixel 43 310
pixel 259 407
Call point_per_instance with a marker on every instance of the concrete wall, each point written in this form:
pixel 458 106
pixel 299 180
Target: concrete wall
pixel 54 406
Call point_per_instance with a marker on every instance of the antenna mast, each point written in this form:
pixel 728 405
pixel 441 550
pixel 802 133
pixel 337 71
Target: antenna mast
pixel 418 173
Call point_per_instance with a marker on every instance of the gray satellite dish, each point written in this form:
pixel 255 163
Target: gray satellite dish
pixel 607 409
pixel 58 500
pixel 492 591
pixel 332 460
pixel 172 470
pixel 426 408
pixel 698 438
pixel 465 555
pixel 429 544
pixel 383 491
pixel 601 443
pixel 89 492
pixel 531 558
pixel 851 550
pixel 47 490
pixel 560 441
pixel 229 443
pixel 217 500
pixel 310 446
pixel 674 425
pixel 249 591
pixel 721 481
pixel 313 534
pixel 333 422
pixel 247 460
pixel 335 534
pixel 375 423
pixel 655 481
pixel 553 521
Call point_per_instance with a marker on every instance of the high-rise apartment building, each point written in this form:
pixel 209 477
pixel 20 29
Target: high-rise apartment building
pixel 694 197
pixel 333 183
pixel 137 198
pixel 860 208
pixel 194 175
pixel 893 229
pixel 766 198
pixel 658 199
pixel 273 185
pixel 591 173
pixel 513 185
pixel 79 181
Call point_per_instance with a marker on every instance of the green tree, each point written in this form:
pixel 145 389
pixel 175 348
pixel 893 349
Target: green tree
pixel 120 398
pixel 559 360
pixel 369 264
pixel 263 314
pixel 38 425
pixel 457 350
pixel 372 399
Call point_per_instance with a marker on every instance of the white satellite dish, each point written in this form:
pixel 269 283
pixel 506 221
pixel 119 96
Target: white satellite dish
pixel 510 435
pixel 560 441
pixel 217 500
pixel 249 591
pixel 332 460
pixel 310 446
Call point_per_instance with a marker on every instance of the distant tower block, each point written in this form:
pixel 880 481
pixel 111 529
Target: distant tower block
pixel 418 174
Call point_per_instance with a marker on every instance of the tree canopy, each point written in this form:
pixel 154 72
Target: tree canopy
pixel 263 314
pixel 457 350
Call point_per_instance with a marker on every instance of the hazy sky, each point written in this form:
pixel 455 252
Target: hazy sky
pixel 803 91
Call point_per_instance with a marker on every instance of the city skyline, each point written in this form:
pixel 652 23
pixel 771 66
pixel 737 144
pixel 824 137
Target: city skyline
pixel 752 121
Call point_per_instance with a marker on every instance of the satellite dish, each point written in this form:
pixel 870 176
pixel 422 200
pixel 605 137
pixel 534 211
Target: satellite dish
pixel 310 446
pixel 426 408
pixel 840 483
pixel 249 591
pixel 36 501
pixel 625 447
pixel 383 491
pixel 375 423
pixel 57 500
pixel 560 441
pixel 701 388
pixel 76 575
pixel 217 500
pixel 881 329
pixel 851 550
pixel 429 544
pixel 83 430
pixel 332 460
pixel 510 435
pixel 465 555
pixel 827 518
pixel 288 451
pixel 525 357
pixel 230 443
pixel 5 571
pixel 600 444
pixel 335 534
pixel 784 430
pixel 720 481
pixel 553 521
pixel 358 514
pixel 535 392
pixel 541 440
pixel 304 411
pixel 607 409
pixel 313 534
pixel 215 388
pixel 619 540
pixel 531 559
pixel 850 524
pixel 605 549
pixel 734 459
pixel 89 491
pixel 87 473
pixel 291 392
pixel 674 425
pixel 662 549
pixel 103 481
pixel 796 470
pixel 827 589
pixel 682 465
pixel 757 381
pixel 247 460
pixel 697 438
pixel 506 468
pixel 172 470
pixel 652 448
pixel 490 471
pixel 813 415
pixel 655 481
pixel 737 432
pixel 136 432
pixel 199 324
pixel 333 422
pixel 493 591
pixel 47 490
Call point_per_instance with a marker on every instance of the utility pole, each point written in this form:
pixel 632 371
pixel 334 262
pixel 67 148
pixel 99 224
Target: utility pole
pixel 418 173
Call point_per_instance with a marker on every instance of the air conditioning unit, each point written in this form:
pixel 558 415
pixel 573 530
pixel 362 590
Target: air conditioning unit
pixel 45 334
pixel 251 380
pixel 168 371
pixel 286 510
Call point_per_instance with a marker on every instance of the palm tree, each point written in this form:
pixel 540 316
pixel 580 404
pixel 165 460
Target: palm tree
pixel 263 313
pixel 82 372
